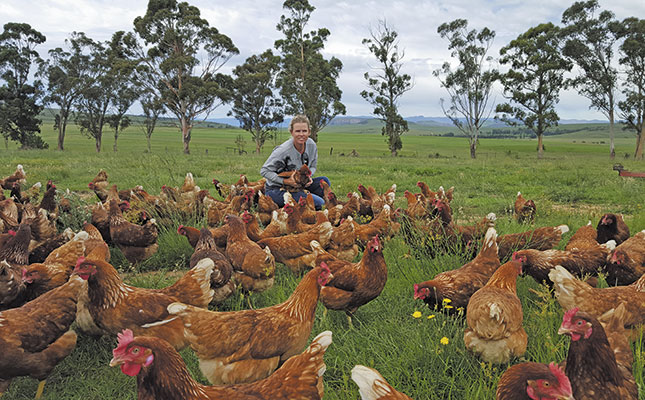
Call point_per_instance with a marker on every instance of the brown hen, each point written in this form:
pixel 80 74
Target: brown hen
pixel 162 373
pixel 248 345
pixel 494 318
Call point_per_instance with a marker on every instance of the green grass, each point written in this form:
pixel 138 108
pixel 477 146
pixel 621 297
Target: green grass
pixel 574 183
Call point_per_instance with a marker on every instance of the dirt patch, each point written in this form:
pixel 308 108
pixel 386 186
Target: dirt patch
pixel 172 275
pixel 580 208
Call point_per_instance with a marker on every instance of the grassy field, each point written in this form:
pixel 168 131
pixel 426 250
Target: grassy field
pixel 573 184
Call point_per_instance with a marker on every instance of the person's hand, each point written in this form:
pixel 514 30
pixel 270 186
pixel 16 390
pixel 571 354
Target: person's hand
pixel 309 182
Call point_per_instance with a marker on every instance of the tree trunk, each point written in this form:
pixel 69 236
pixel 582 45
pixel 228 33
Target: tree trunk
pixel 98 144
pixel 149 149
pixel 612 149
pixel 540 148
pixel 314 135
pixel 257 148
pixel 640 142
pixel 185 134
pixel 473 149
pixel 116 137
pixel 394 153
pixel 61 137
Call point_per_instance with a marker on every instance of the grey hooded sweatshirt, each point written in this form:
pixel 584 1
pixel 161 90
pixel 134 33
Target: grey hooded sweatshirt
pixel 286 158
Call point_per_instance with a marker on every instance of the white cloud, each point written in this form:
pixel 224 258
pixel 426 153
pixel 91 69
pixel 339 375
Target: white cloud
pixel 251 24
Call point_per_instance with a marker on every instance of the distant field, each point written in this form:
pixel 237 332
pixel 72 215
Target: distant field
pixel 573 184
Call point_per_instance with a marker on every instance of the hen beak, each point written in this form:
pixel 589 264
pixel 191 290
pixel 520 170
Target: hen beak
pixel 563 331
pixel 116 361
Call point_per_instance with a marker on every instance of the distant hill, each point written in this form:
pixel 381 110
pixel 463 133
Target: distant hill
pixel 47 116
pixel 371 124
pixel 417 119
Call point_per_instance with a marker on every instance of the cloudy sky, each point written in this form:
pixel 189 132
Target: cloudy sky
pixel 251 24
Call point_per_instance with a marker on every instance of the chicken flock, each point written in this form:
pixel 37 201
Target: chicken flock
pixel 52 277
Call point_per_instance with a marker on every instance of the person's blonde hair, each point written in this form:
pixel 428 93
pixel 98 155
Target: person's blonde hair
pixel 300 118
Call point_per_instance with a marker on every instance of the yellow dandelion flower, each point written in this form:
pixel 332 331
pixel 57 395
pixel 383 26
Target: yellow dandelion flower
pixel 448 306
pixel 447 301
pixel 460 309
pixel 416 314
pixel 444 341
pixel 431 316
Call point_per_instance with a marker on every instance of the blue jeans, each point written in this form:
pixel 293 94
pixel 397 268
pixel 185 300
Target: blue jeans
pixel 315 188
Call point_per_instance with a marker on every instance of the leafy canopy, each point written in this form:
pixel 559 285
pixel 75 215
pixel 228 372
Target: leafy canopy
pixel 534 79
pixel 387 84
pixel 255 104
pixel 470 84
pixel 177 39
pixel 20 101
pixel 307 81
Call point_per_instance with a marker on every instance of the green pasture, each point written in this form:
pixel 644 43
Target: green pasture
pixel 573 184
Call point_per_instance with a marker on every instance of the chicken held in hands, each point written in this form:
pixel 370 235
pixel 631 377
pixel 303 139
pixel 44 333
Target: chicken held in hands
pixel 534 381
pixel 299 179
pixel 248 345
pixel 592 367
pixel 162 374
pixel 372 385
pixel 114 305
pixel 457 286
pixel 36 337
pixel 356 284
pixel 494 318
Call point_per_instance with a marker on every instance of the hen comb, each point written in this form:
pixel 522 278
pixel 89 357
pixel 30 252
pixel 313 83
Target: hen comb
pixel 125 338
pixel 568 316
pixel 324 267
pixel 12 232
pixel 375 240
pixel 179 229
pixel 563 380
pixel 416 288
pixel 80 261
